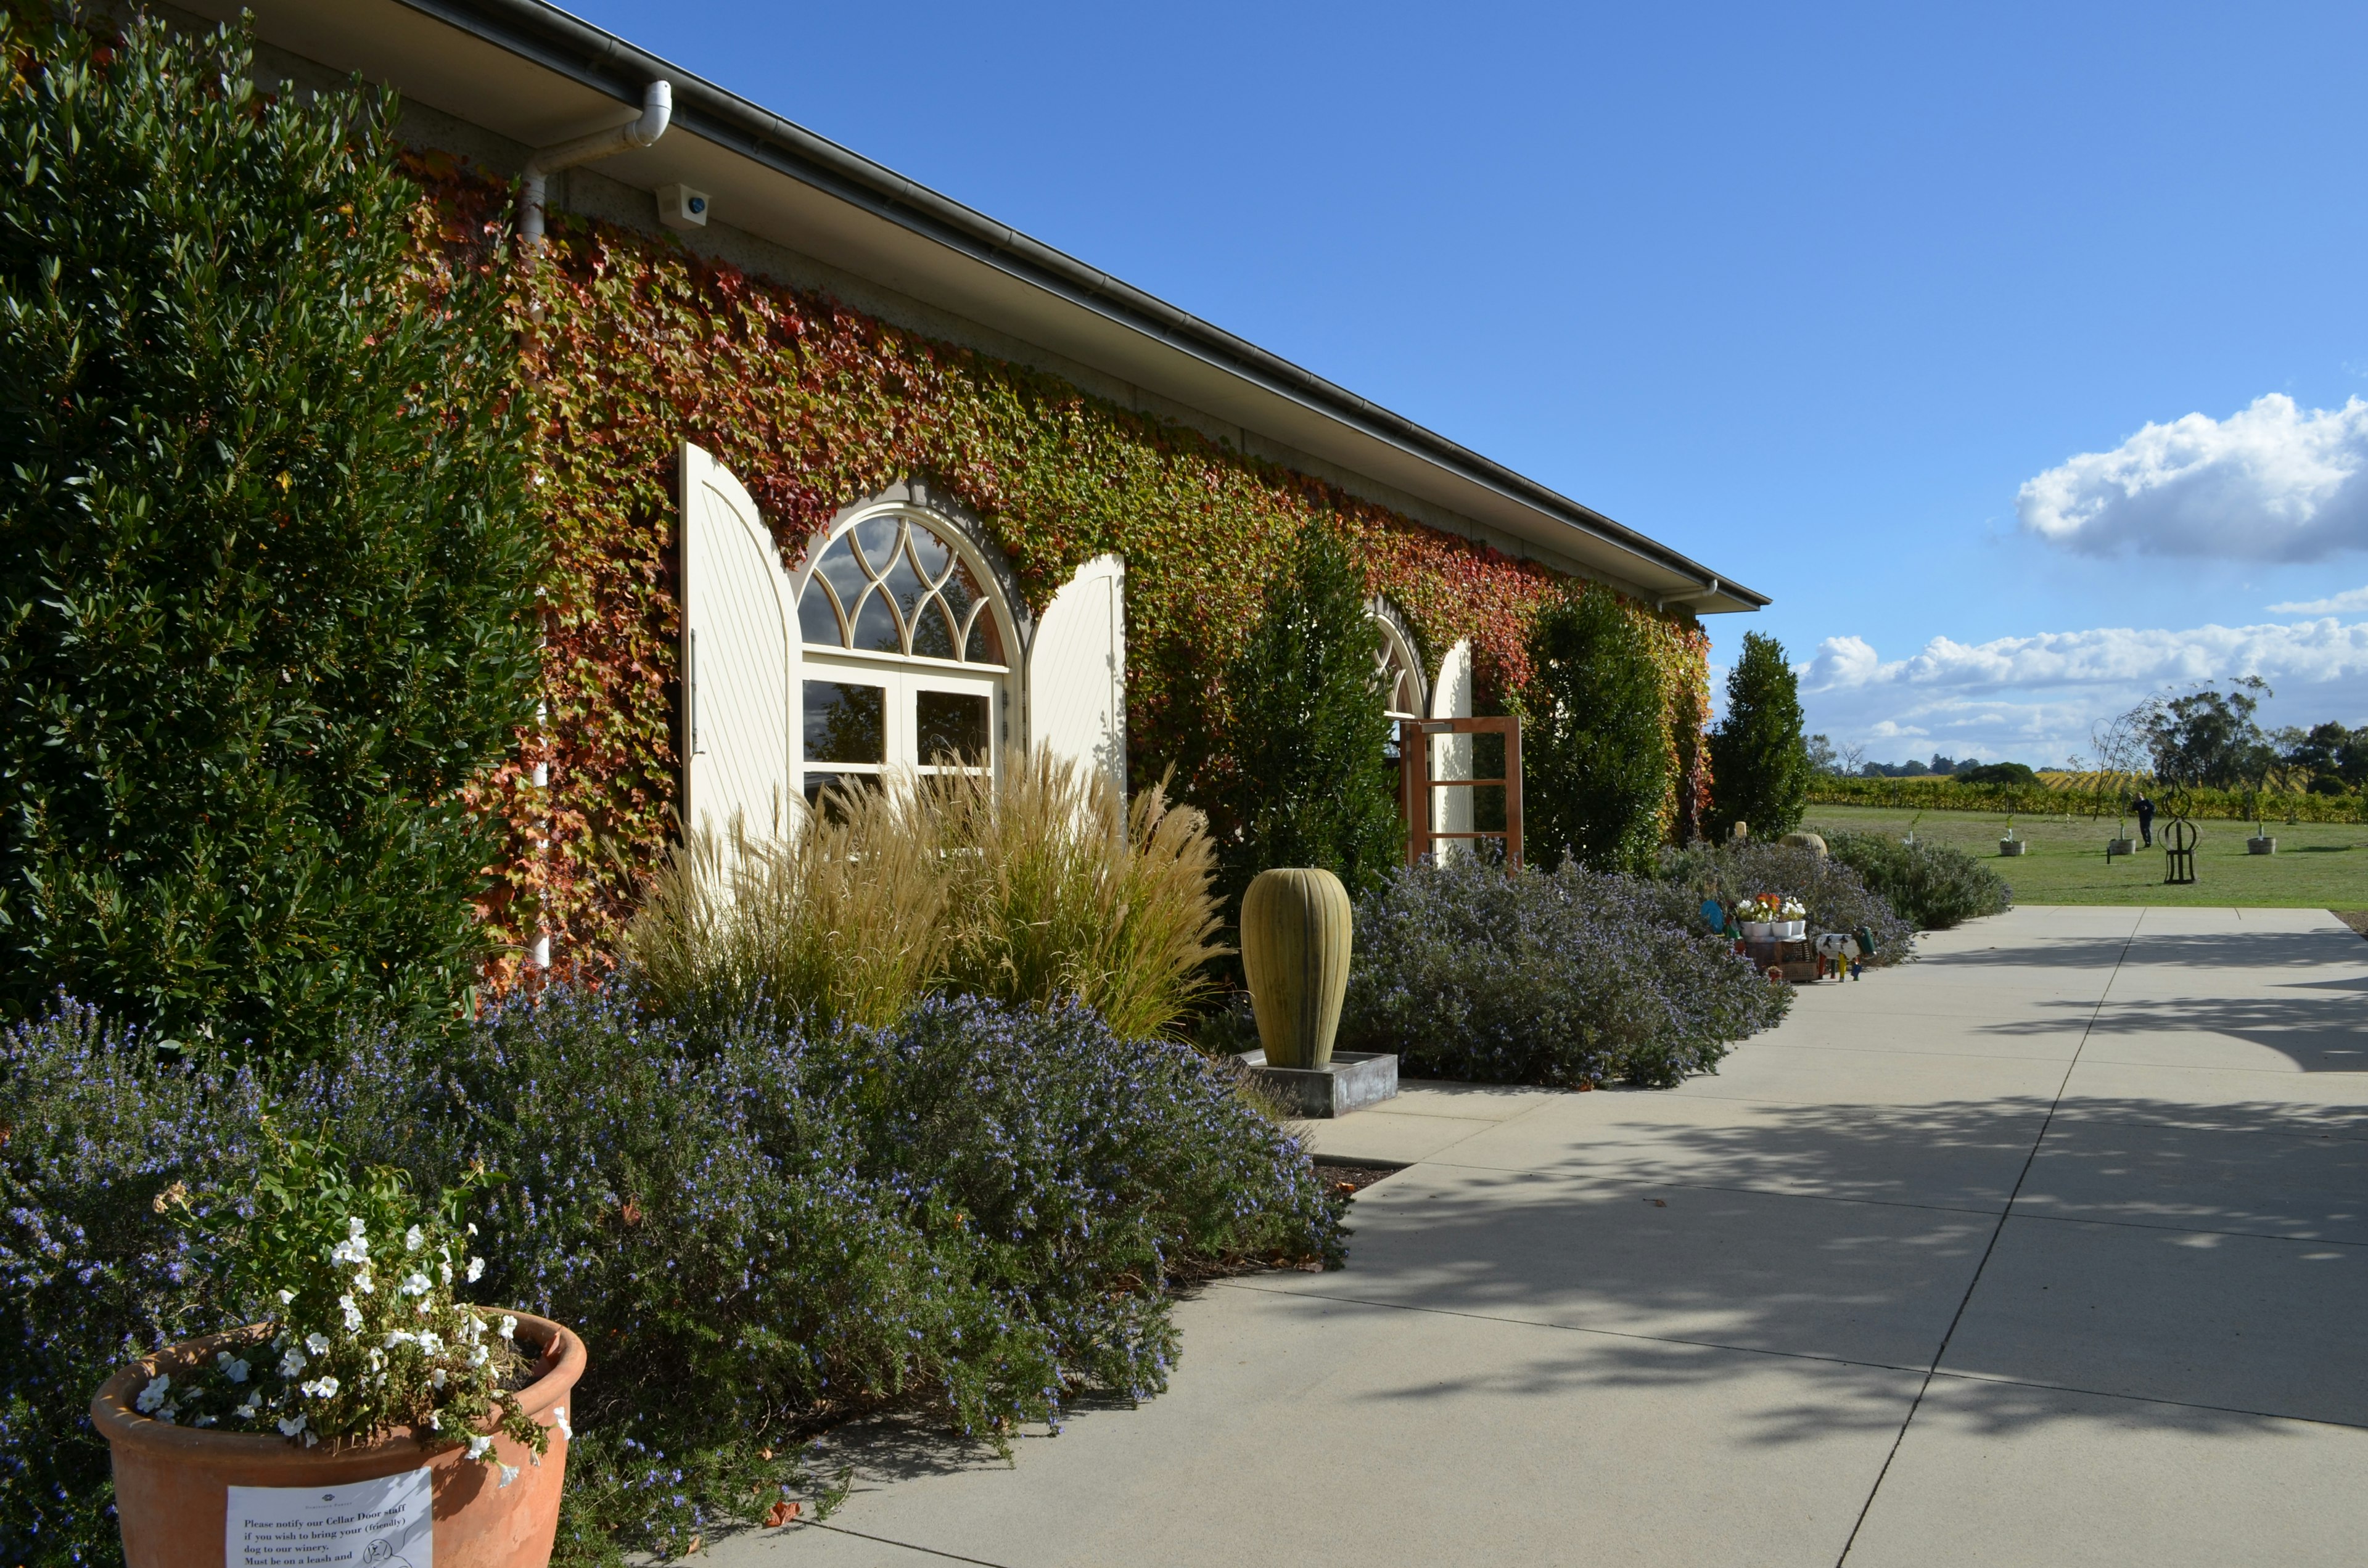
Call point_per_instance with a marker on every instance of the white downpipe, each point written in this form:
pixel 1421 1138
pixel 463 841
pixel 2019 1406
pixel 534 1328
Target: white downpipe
pixel 657 108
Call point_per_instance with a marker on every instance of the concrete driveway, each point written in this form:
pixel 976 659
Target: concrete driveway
pixel 2049 1248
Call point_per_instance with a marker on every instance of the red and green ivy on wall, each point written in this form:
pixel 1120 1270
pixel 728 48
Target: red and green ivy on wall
pixel 632 345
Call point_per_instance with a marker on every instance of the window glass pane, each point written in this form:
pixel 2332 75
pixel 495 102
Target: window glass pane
pixel 932 637
pixel 846 722
pixel 840 786
pixel 839 566
pixel 986 646
pixel 875 626
pixel 931 552
pixel 817 622
pixel 906 586
pixel 960 592
pixel 879 538
pixel 950 723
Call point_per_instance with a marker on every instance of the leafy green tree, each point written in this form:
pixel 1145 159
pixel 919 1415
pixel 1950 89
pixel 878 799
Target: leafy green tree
pixel 2208 737
pixel 1999 773
pixel 266 565
pixel 1758 762
pixel 1594 757
pixel 2332 757
pixel 1308 706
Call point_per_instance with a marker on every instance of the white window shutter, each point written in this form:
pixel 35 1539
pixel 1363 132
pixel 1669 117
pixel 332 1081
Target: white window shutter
pixel 1076 671
pixel 1451 756
pixel 739 658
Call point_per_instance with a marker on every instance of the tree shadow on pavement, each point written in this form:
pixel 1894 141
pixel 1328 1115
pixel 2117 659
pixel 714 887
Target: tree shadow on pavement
pixel 2262 949
pixel 1789 1255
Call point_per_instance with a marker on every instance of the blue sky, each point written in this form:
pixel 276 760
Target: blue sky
pixel 1862 307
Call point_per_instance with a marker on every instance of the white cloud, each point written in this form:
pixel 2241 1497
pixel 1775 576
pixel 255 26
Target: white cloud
pixel 2272 481
pixel 2343 603
pixel 2035 699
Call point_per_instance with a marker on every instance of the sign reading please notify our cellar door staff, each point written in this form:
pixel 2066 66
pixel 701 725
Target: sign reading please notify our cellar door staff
pixel 386 1522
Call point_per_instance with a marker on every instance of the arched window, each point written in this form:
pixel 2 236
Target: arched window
pixel 1403 689
pixel 905 660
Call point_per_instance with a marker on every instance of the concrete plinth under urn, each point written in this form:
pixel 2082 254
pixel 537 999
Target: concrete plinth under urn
pixel 1350 1081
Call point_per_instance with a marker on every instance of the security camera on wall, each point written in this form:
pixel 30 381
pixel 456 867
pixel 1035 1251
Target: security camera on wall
pixel 680 207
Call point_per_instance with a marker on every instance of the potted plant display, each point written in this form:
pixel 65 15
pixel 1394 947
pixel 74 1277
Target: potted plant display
pixel 365 1414
pixel 1773 917
pixel 2011 844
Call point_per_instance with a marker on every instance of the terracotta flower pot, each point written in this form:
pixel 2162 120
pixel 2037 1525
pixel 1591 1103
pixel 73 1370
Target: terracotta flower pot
pixel 172 1482
pixel 1296 929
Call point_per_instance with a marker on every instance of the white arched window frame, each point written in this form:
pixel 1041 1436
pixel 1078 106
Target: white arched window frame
pixel 1405 693
pixel 908 650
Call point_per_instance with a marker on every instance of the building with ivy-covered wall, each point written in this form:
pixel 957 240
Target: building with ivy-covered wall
pixel 840 475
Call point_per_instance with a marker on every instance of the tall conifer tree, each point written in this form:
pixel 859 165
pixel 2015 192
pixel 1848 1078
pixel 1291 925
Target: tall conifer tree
pixel 1308 709
pixel 1759 760
pixel 1595 758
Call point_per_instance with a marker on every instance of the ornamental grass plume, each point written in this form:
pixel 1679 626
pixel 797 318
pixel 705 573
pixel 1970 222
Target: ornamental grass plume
pixel 1042 885
pixel 1062 889
pixel 839 921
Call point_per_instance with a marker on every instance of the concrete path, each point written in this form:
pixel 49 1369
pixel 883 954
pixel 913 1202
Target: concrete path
pixel 2051 1248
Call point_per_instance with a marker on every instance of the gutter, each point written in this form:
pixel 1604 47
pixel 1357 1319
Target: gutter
pixel 657 109
pixel 601 61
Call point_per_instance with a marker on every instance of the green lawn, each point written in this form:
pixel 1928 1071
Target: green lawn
pixel 2318 866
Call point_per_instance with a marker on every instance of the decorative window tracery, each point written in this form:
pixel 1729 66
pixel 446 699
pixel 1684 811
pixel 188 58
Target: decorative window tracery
pixel 906 654
pixel 1403 688
pixel 890 585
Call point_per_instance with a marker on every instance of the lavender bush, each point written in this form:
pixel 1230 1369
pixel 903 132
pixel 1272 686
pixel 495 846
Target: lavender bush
pixel 1573 977
pixel 92 1272
pixel 976 1211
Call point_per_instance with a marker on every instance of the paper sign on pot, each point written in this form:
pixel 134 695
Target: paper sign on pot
pixel 385 1523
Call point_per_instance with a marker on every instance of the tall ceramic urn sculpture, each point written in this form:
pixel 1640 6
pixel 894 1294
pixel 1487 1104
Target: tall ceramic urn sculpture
pixel 1295 936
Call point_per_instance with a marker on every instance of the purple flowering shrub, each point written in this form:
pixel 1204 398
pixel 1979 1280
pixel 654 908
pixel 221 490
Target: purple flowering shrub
pixel 977 1212
pixel 94 1136
pixel 1571 977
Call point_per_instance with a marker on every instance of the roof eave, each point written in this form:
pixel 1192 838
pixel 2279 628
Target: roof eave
pixel 615 69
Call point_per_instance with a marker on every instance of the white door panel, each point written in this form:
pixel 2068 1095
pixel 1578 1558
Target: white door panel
pixel 1076 671
pixel 739 657
pixel 1451 756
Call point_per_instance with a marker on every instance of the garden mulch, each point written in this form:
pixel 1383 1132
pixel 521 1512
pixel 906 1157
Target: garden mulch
pixel 1348 1178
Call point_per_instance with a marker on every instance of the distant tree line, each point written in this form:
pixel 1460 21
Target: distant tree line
pixel 1850 762
pixel 2207 737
